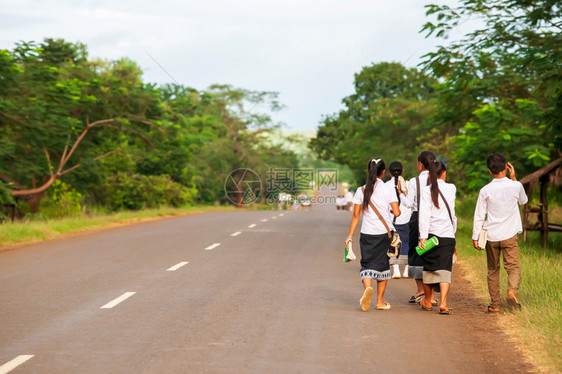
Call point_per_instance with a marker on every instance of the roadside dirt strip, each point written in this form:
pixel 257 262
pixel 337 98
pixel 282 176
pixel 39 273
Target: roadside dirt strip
pixel 244 291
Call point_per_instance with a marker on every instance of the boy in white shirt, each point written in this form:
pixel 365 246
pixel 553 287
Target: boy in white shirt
pixel 497 212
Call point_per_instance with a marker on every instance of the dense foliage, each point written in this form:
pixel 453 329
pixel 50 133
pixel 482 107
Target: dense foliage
pixel 496 89
pixel 118 141
pixel 386 117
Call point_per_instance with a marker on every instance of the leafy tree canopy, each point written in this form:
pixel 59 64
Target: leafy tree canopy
pixel 501 84
pixel 93 122
pixel 383 118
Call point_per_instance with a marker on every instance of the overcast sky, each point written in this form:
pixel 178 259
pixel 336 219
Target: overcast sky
pixel 308 51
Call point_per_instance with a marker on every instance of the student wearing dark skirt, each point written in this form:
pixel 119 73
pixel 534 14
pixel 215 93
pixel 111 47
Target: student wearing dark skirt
pixel 414 269
pixel 401 224
pixel 437 218
pixel 374 240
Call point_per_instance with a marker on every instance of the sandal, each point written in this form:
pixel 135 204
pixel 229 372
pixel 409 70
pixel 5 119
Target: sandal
pixel 493 310
pixel 447 311
pixel 365 301
pixel 413 298
pixel 385 307
pixel 423 307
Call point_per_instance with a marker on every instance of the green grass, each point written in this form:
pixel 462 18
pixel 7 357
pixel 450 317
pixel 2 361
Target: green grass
pixel 538 327
pixel 26 232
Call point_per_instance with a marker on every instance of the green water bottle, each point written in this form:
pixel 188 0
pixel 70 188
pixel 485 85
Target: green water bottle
pixel 430 244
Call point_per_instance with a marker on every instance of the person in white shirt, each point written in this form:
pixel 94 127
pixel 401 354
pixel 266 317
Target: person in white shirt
pixel 375 237
pixel 437 218
pixel 401 223
pixel 414 269
pixel 497 211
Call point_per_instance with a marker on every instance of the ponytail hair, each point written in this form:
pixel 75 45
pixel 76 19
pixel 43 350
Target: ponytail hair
pixel 396 169
pixel 436 170
pixel 426 158
pixel 375 168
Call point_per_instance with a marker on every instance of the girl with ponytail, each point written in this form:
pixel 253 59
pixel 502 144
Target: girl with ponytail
pixel 401 223
pixel 437 218
pixel 414 268
pixel 374 241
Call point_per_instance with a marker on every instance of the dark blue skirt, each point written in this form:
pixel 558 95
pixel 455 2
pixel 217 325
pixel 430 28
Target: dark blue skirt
pixel 441 256
pixel 373 252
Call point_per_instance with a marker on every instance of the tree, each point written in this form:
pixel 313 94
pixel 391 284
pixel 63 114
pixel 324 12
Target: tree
pixel 383 118
pixel 95 123
pixel 53 103
pixel 501 84
pixel 238 138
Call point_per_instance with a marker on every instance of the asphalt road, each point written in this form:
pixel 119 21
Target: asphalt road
pixel 273 297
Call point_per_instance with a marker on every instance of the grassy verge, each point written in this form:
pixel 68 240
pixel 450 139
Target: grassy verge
pixel 537 328
pixel 18 233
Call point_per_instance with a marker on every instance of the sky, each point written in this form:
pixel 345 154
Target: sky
pixel 307 51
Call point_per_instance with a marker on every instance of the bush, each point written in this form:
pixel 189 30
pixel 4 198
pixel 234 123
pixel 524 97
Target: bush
pixel 134 191
pixel 5 195
pixel 62 201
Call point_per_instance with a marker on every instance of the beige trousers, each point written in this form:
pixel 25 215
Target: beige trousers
pixel 510 250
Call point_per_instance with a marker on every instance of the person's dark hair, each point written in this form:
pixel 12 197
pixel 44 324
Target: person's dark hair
pixel 375 168
pixel 436 171
pixel 496 163
pixel 425 157
pixel 396 169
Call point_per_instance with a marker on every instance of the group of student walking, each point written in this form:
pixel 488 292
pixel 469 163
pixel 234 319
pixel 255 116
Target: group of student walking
pixel 424 207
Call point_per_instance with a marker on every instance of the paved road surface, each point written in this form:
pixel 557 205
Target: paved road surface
pixel 273 297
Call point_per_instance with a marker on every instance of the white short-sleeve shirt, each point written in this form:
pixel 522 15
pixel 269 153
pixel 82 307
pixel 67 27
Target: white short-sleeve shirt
pixel 405 205
pixel 381 198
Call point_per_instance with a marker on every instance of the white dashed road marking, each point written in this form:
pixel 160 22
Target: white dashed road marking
pixel 212 246
pixel 252 226
pixel 117 301
pixel 177 266
pixel 274 217
pixel 264 220
pixel 11 365
pixel 236 233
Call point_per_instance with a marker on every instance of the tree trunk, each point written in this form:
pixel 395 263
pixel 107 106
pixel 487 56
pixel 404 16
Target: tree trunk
pixel 35 202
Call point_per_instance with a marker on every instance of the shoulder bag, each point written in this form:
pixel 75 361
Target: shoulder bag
pixel 395 242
